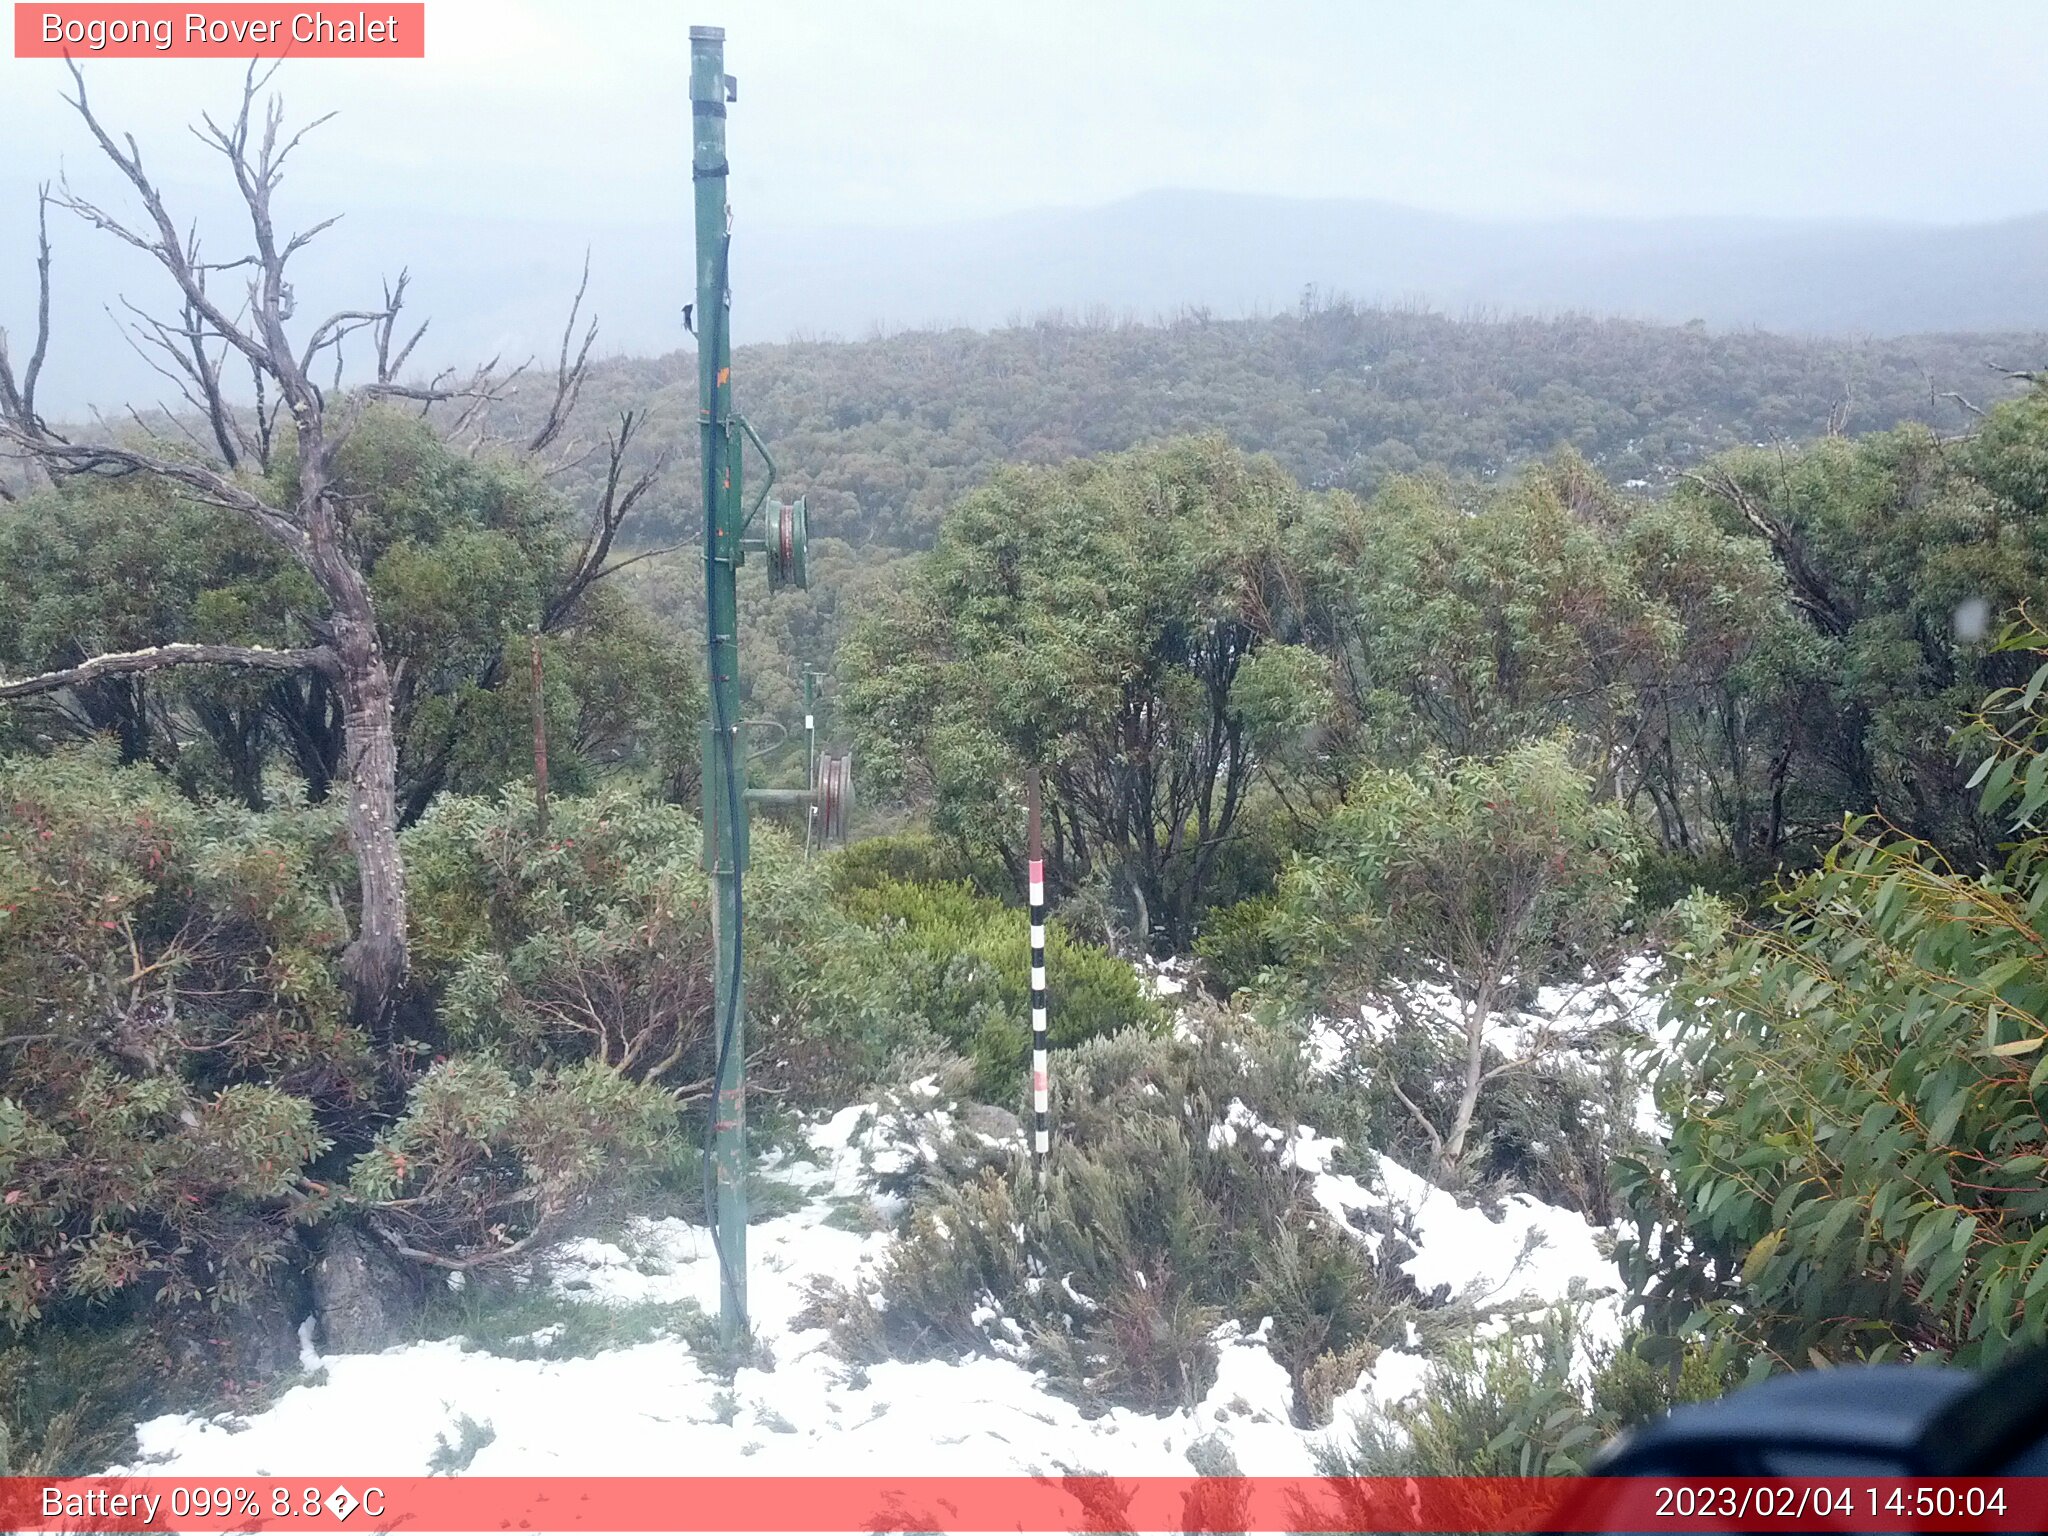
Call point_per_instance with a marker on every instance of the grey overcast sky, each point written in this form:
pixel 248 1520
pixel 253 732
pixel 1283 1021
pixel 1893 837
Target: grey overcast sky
pixel 915 111
pixel 537 129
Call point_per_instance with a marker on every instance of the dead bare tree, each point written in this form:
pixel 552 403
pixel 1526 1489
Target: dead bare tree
pixel 313 527
pixel 18 398
pixel 615 503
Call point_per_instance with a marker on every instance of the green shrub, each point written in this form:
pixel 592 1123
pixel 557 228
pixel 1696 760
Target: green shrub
pixel 964 962
pixel 1666 875
pixel 70 1396
pixel 1505 1407
pixel 521 1318
pixel 174 1049
pixel 1150 1232
pixel 181 1092
pixel 1550 1128
pixel 484 1165
pixel 911 858
pixel 1237 945
pixel 1857 1148
pixel 470 1437
pixel 595 944
pixel 1267 836
pixel 1534 1402
pixel 1323 1294
pixel 1485 878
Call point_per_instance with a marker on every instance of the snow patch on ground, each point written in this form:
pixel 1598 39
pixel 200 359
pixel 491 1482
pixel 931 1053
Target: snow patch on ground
pixel 654 1406
pixel 1535 1251
pixel 1166 978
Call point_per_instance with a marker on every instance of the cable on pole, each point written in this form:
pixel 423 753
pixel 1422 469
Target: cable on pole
pixel 723 733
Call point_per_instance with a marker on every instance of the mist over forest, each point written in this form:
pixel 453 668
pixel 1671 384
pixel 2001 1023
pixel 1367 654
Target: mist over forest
pixel 497 285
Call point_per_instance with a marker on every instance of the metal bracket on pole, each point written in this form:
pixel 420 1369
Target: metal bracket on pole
pixel 768 482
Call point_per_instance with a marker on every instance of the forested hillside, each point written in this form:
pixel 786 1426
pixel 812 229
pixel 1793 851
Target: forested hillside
pixel 884 434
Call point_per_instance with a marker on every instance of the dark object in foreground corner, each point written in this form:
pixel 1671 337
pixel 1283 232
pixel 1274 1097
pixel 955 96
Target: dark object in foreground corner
pixel 1852 1421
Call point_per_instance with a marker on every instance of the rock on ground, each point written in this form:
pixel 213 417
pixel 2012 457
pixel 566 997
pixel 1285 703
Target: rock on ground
pixel 363 1299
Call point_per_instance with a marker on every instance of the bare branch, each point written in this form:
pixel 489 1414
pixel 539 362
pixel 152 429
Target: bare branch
pixel 1808 590
pixel 175 420
pixel 266 418
pixel 481 389
pixel 207 485
pixel 168 250
pixel 613 508
pixel 646 554
pixel 20 401
pixel 335 329
pixel 158 657
pixel 1436 1140
pixel 569 376
pixel 42 348
pixel 2024 375
pixel 306 237
pixel 190 370
pixel 456 1262
pixel 389 363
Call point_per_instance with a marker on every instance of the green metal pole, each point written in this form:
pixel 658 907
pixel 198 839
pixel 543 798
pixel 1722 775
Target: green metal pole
pixel 725 816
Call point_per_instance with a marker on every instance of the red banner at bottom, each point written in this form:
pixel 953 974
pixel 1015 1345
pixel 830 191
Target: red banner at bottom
pixel 988 1504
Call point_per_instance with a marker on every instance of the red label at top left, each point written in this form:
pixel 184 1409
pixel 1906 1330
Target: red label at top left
pixel 239 31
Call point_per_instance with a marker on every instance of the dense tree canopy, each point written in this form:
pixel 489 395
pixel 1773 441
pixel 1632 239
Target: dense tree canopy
pixel 889 432
pixel 886 435
pixel 1899 552
pixel 467 558
pixel 1094 624
pixel 1857 1147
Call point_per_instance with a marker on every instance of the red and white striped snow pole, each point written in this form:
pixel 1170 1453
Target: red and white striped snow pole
pixel 1041 1106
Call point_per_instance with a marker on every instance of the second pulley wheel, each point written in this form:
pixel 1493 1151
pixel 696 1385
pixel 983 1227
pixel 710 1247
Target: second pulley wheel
pixel 835 796
pixel 788 551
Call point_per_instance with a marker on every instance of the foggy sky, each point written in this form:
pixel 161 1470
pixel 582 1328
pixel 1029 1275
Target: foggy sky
pixel 569 119
pixel 885 111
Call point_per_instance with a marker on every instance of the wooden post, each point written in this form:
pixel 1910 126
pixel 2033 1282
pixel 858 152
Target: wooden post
pixel 540 742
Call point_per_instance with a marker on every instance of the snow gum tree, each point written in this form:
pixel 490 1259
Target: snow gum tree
pixel 1483 878
pixel 235 316
pixel 1857 1148
pixel 1108 623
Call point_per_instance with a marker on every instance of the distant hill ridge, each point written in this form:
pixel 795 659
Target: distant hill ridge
pixel 1156 252
pixel 885 433
pixel 499 286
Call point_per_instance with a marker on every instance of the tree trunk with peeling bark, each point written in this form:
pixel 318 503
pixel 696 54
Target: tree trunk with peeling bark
pixel 375 964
